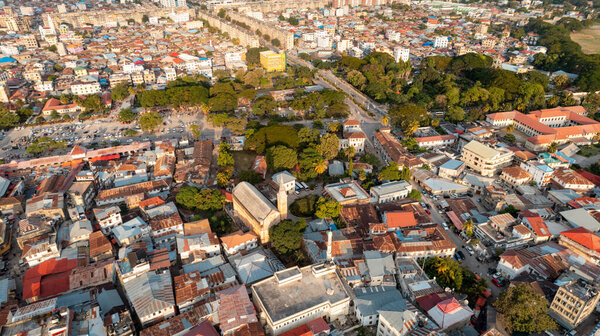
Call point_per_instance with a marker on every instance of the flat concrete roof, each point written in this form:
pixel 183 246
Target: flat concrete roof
pixel 306 292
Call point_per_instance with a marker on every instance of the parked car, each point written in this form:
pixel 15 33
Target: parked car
pixel 499 282
pixel 459 256
pixel 470 250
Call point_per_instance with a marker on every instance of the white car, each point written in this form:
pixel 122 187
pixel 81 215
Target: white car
pixel 470 250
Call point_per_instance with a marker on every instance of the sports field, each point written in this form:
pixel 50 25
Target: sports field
pixel 588 39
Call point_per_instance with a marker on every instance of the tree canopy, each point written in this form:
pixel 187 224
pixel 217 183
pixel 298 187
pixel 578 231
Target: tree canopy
pixel 195 198
pixel 524 310
pixel 327 208
pixel 150 121
pixel 286 236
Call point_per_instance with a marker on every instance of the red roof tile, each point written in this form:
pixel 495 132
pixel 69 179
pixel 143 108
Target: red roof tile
pixel 583 237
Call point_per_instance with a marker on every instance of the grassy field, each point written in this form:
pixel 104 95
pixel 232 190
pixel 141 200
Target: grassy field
pixel 588 39
pixel 588 151
pixel 243 160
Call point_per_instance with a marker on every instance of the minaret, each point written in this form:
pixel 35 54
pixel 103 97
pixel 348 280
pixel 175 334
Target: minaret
pixel 282 204
pixel 329 242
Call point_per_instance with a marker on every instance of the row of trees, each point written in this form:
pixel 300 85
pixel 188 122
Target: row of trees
pixel 565 54
pixel 286 146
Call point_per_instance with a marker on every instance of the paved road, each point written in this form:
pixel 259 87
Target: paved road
pixel 327 75
pixel 470 261
pixel 586 161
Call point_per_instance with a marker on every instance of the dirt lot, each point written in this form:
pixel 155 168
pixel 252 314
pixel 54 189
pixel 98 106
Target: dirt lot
pixel 588 39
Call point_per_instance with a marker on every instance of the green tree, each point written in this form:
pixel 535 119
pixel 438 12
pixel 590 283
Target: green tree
pixel 371 159
pixel 286 236
pixel 560 81
pixel 553 147
pixel 407 116
pixel 223 102
pixel 390 172
pixel 264 105
pixel 8 118
pixel 225 159
pixel 307 135
pixel 253 77
pixel 510 209
pixel 250 176
pixel 447 272
pixel 195 198
pixel 468 228
pixel 329 146
pixel 311 163
pixel 119 92
pixel 65 99
pixel 415 195
pixel 224 176
pixel 195 129
pixel 127 115
pixel 510 138
pixel 44 144
pixel 327 208
pixel 524 311
pixel 281 157
pixel 150 121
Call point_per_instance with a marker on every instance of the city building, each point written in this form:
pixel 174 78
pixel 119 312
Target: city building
pixel 273 61
pixel 255 210
pixel 485 160
pixel 574 302
pixel 295 296
pixel 559 124
pixel 390 191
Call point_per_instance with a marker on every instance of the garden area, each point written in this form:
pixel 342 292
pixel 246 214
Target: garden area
pixel 589 151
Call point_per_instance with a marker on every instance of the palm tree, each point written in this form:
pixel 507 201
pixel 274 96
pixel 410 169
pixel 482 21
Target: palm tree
pixel 385 120
pixel 553 147
pixel 205 108
pixel 468 227
pixel 320 166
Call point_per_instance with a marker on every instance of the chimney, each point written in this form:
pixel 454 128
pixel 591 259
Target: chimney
pixel 329 239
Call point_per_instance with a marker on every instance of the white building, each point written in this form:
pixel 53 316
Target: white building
pixel 173 3
pixel 485 160
pixel 170 73
pixel 354 139
pixel 9 50
pixel 239 241
pixel 108 218
pixel 401 54
pixel 343 45
pixel 44 86
pixel 440 42
pixel 390 191
pixel 540 173
pixel 295 296
pixel 132 67
pixel 151 296
pixel 288 180
pixel 392 36
pixel 85 88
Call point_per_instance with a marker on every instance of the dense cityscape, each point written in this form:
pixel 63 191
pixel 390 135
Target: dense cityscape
pixel 299 168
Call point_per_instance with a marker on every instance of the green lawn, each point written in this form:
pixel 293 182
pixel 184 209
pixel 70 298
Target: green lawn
pixel 588 151
pixel 243 160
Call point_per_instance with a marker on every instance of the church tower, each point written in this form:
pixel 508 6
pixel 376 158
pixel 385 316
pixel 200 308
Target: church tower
pixel 282 205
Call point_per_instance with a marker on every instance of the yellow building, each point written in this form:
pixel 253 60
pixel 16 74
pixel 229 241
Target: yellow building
pixel 272 61
pixel 574 302
pixel 256 211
